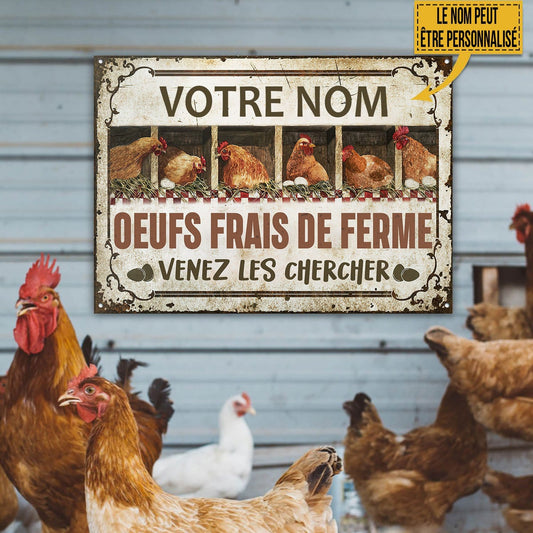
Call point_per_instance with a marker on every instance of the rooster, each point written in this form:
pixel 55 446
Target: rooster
pixel 412 480
pixel 494 322
pixel 241 169
pixel 122 497
pixel 517 493
pixel 494 376
pixel 219 470
pixel 43 451
pixel 180 168
pixel 125 162
pixel 417 161
pixel 302 162
pixel 365 171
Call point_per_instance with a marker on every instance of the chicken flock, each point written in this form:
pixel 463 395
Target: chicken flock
pixel 81 449
pixel 241 169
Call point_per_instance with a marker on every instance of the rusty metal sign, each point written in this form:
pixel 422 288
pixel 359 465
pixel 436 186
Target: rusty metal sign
pixel 272 184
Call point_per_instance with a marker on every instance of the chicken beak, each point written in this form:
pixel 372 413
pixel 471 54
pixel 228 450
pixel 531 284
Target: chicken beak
pixel 67 399
pixel 218 155
pixel 25 306
pixel 312 145
pixel 251 411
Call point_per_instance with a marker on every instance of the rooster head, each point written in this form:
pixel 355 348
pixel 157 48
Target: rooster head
pixel 347 151
pixel 86 392
pixel 304 143
pixel 160 147
pixel 521 222
pixel 39 306
pixel 224 150
pixel 200 166
pixel 400 137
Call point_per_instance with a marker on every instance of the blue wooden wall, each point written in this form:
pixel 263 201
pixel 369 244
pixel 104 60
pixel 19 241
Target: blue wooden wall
pixel 298 369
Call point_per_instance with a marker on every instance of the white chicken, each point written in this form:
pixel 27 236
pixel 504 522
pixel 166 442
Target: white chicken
pixel 219 470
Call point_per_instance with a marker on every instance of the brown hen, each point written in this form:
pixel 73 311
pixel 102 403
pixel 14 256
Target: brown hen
pixel 125 162
pixel 495 377
pixel 490 322
pixel 365 171
pixel 122 497
pixel 241 169
pixel 302 162
pixel 417 161
pixel 412 480
pixel 179 167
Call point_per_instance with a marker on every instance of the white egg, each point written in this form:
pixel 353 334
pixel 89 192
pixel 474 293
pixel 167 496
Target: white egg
pixel 288 182
pixel 411 184
pixel 300 181
pixel 167 184
pixel 429 181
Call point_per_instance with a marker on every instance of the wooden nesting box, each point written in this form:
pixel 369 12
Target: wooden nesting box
pixel 372 140
pixel 427 136
pixel 323 137
pixel 192 140
pixel 259 141
pixel 124 135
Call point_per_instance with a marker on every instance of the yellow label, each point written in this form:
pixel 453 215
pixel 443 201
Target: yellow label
pixel 475 27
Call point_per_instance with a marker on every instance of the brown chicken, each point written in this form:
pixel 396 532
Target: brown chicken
pixel 179 167
pixel 302 162
pixel 490 322
pixel 412 480
pixel 125 162
pixel 241 170
pixel 365 171
pixel 43 451
pixel 517 493
pixel 495 377
pixel 417 161
pixel 122 497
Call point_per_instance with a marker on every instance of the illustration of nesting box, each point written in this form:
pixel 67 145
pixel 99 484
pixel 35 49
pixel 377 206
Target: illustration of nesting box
pixel 373 141
pixel 127 136
pixel 257 141
pixel 194 141
pixel 323 137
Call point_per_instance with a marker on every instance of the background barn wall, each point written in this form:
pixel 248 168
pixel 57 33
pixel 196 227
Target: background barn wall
pixel 298 369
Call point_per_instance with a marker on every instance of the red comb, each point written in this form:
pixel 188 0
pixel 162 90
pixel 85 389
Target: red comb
pixel 163 143
pixel 221 146
pixel 400 132
pixel 39 274
pixel 349 147
pixel 304 136
pixel 521 209
pixel 247 398
pixel 87 372
pixel 202 159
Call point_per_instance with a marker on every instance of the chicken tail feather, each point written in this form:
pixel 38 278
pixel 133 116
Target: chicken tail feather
pixel 125 368
pixel 316 469
pixel 361 411
pixel 159 395
pixel 91 353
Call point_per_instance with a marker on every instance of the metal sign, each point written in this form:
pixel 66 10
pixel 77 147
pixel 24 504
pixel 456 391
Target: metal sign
pixel 272 184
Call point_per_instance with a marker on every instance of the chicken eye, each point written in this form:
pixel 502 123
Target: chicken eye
pixel 90 390
pixel 44 298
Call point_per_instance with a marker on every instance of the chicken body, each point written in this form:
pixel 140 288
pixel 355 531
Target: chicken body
pixel 365 171
pixel 125 162
pixel 8 501
pixel 490 322
pixel 122 497
pixel 517 493
pixel 42 450
pixel 417 161
pixel 179 167
pixel 494 376
pixel 412 480
pixel 219 470
pixel 241 168
pixel 302 163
